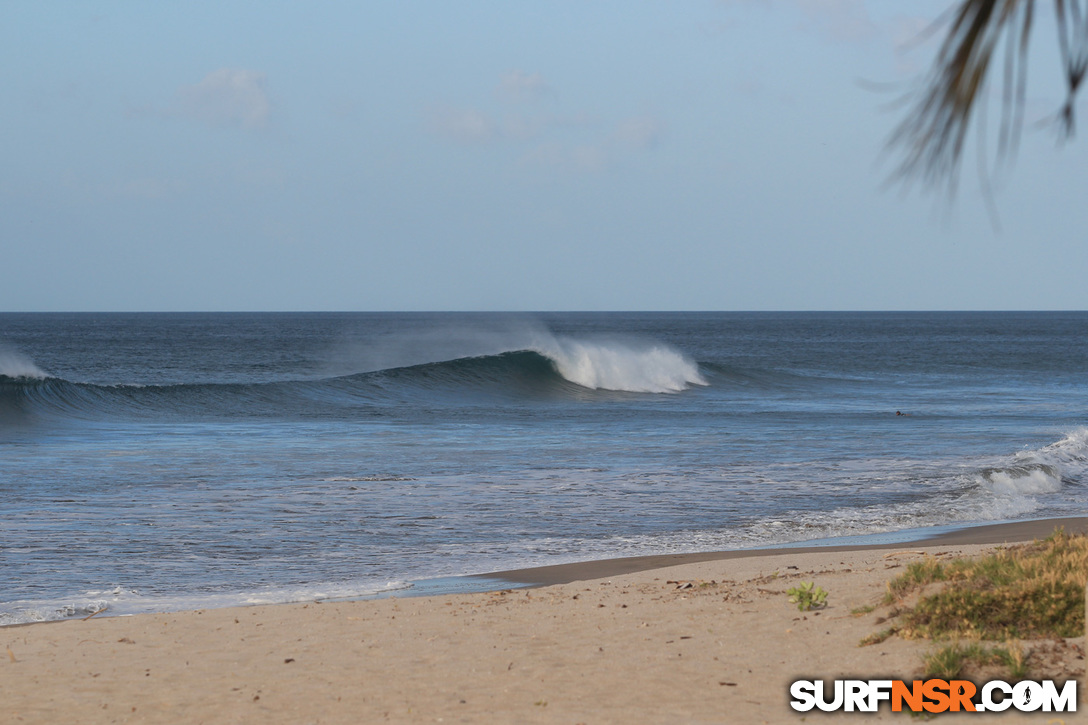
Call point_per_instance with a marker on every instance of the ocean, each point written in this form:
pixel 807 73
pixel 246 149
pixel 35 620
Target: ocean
pixel 158 462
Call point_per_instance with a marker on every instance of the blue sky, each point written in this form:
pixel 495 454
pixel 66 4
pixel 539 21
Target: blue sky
pixel 589 155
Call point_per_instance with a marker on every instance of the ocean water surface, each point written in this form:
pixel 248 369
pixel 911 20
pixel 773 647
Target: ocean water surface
pixel 152 462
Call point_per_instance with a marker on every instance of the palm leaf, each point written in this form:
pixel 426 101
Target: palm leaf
pixel 934 133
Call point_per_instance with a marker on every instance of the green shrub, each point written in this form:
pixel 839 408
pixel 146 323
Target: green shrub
pixel 807 597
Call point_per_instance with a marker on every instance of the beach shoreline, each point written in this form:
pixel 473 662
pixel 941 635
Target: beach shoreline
pixel 706 638
pixel 999 533
pixel 565 573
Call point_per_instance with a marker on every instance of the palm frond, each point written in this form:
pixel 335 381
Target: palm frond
pixel 1073 43
pixel 934 133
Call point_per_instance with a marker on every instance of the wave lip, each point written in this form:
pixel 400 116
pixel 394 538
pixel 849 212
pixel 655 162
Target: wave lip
pixel 620 366
pixel 19 367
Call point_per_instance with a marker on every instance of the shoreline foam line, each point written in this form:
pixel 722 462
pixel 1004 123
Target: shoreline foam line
pixel 1014 532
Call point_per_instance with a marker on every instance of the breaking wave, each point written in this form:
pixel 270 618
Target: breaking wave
pixel 552 368
pixel 1038 482
pixel 18 367
pixel 621 367
pixel 1041 470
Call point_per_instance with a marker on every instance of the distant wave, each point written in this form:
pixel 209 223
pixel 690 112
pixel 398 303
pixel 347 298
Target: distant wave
pixel 561 368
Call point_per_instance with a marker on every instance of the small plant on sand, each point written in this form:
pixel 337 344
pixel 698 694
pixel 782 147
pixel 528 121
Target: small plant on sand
pixel 808 596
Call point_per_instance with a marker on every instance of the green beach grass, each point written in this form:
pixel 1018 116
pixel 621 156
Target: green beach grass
pixel 1027 592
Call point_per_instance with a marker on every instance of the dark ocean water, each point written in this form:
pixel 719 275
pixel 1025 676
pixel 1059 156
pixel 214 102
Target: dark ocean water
pixel 164 461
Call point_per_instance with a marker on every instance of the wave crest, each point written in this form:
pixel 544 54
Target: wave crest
pixel 16 366
pixel 1041 470
pixel 1024 480
pixel 621 366
pixel 596 362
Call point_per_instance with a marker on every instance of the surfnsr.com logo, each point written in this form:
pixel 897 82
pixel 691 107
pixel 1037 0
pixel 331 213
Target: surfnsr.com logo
pixel 934 696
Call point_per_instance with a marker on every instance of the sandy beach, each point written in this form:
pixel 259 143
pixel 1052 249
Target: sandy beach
pixel 705 638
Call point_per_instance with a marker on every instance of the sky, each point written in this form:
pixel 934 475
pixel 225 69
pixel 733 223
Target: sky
pixel 561 155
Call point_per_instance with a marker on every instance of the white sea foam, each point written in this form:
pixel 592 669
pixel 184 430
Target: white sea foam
pixel 27 611
pixel 15 365
pixel 1024 480
pixel 615 365
pixel 1029 483
pixel 121 601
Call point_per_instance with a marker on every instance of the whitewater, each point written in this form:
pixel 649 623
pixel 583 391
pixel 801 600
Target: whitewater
pixel 154 462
